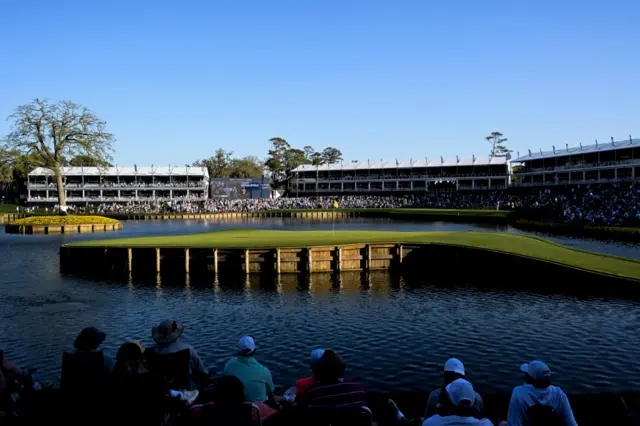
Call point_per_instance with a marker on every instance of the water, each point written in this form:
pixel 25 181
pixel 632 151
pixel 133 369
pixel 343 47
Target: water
pixel 394 333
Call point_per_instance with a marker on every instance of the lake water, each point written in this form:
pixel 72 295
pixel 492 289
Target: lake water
pixel 394 333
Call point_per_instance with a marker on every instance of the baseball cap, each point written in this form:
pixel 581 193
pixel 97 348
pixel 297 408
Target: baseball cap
pixel 537 370
pixel 316 354
pixel 246 345
pixel 461 393
pixel 454 365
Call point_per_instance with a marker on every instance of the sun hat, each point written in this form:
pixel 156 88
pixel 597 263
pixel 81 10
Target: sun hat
pixel 166 332
pixel 461 393
pixel 537 370
pixel 246 346
pixel 89 339
pixel 454 365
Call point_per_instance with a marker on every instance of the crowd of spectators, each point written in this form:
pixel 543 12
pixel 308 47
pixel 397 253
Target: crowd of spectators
pixel 144 385
pixel 616 204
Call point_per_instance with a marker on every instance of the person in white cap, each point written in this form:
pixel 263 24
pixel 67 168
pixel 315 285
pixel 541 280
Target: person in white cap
pixel 256 378
pixel 539 399
pixel 303 384
pixel 453 370
pixel 461 397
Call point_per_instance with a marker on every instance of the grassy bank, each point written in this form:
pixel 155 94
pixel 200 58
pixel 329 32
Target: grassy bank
pixel 515 244
pixel 63 220
pixel 8 208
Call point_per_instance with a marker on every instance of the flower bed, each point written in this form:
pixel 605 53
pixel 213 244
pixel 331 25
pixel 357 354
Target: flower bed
pixel 62 224
pixel 63 220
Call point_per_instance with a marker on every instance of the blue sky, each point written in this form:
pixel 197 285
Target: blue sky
pixel 378 79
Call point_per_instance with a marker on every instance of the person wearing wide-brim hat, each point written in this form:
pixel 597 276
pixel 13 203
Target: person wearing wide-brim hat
pixel 88 340
pixel 167 337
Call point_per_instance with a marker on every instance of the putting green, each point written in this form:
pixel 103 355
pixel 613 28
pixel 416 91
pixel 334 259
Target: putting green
pixel 516 244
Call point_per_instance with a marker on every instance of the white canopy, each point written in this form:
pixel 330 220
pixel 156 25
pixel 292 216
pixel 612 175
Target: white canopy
pixel 125 171
pixel 406 164
pixel 578 150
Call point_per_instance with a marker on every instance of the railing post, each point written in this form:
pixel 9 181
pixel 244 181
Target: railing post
pixel 186 260
pixel 129 260
pixel 215 261
pixel 157 260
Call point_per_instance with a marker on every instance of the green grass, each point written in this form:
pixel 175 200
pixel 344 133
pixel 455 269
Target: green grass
pixel 8 208
pixel 509 243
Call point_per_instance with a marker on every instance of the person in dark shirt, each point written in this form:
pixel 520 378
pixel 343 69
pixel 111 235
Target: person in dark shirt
pixel 138 395
pixel 331 388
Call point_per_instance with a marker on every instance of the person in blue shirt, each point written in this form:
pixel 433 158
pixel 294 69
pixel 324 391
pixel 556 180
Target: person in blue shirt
pixel 538 392
pixel 256 378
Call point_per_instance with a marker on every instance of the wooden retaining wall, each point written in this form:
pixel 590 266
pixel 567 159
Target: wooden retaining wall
pixel 428 262
pixel 62 229
pixel 234 215
pixel 10 217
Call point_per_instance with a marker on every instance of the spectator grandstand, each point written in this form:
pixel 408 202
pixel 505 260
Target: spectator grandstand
pixel 119 184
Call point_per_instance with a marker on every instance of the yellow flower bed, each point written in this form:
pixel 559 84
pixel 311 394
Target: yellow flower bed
pixel 63 220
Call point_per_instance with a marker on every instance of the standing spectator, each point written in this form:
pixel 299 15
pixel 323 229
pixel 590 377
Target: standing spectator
pixel 538 402
pixel 256 378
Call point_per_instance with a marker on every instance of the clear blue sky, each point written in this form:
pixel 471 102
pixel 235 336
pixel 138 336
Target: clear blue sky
pixel 378 79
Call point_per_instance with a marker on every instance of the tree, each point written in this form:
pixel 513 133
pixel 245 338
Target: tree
pixel 53 131
pixel 282 159
pixel 218 165
pixel 88 161
pixel 331 155
pixel 7 162
pixel 498 147
pixel 246 167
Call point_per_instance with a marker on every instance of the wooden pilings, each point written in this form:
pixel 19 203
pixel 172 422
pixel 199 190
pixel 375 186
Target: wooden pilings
pixel 61 229
pixel 451 260
pixel 315 214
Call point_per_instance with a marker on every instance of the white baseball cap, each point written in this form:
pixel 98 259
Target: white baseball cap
pixel 461 393
pixel 316 354
pixel 246 345
pixel 537 370
pixel 454 365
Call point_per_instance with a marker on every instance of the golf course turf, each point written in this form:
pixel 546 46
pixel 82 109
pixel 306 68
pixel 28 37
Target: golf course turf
pixel 532 247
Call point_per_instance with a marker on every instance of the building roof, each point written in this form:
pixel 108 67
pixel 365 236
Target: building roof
pixel 577 150
pixel 407 164
pixel 125 171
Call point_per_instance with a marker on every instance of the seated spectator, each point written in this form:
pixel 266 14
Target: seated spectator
pixel 331 388
pixel 166 335
pixel 255 377
pixel 138 395
pixel 303 384
pixel 229 394
pixel 460 397
pixel 539 398
pixel 453 370
pixel 89 340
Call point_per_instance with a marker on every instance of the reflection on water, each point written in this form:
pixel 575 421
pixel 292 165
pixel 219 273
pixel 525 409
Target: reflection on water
pixel 395 332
